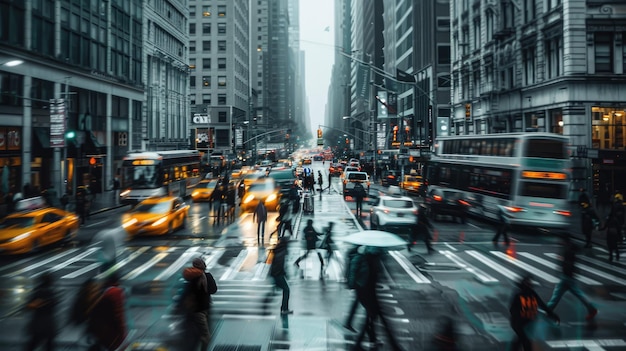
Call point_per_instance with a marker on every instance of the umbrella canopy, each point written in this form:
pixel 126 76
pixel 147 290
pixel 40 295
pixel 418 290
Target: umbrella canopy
pixel 376 238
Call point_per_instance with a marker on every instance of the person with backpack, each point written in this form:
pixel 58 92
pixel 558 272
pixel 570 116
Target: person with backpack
pixel 43 304
pixel 311 236
pixel 524 309
pixel 196 302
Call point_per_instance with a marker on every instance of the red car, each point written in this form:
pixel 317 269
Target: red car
pixel 335 169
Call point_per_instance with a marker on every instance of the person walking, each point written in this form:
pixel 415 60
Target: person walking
pixel 196 302
pixel 588 220
pixel 422 227
pixel 568 281
pixel 364 275
pixel 277 271
pixel 352 252
pixel 217 198
pixel 359 194
pixel 502 228
pixel 613 228
pixel 327 242
pixel 260 217
pixel 320 180
pixel 330 178
pixel 43 304
pixel 524 308
pixel 311 235
pixel 108 317
pixel 294 196
pixel 284 214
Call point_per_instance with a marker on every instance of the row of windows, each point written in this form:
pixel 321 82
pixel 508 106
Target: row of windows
pixel 205 11
pixel 206 81
pixel 482 180
pixel 206 46
pixel 488 147
pixel 206 99
pixel 167 42
pixel 206 63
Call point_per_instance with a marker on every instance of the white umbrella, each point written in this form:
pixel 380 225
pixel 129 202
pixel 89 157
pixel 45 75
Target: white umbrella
pixel 376 238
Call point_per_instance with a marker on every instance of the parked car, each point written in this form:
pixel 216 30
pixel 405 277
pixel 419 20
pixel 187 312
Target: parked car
pixel 412 184
pixel 447 202
pixel 393 211
pixel 34 226
pixel 156 216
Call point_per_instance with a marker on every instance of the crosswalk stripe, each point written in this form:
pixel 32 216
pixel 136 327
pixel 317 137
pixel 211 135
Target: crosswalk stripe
pixel 41 263
pixel 68 262
pixel 482 276
pixel 123 262
pixel 536 272
pixel 236 264
pixel 494 265
pixel 602 264
pixel 593 271
pixel 82 271
pixel 551 265
pixel 180 261
pixel 144 267
pixel 211 259
pixel 409 268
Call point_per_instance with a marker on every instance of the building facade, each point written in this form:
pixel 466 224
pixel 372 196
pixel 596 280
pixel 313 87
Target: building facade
pixel 551 66
pixel 219 62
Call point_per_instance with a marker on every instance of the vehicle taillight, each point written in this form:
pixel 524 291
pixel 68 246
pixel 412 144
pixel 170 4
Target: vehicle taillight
pixel 514 209
pixel 464 203
pixel 437 198
pixel 563 213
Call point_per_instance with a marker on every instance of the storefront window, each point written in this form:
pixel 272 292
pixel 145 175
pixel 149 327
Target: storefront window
pixel 608 127
pixel 556 121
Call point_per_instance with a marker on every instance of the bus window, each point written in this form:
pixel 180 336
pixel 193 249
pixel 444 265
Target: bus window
pixel 543 148
pixel 535 189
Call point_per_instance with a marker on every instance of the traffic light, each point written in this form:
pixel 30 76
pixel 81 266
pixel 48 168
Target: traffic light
pixel 70 134
pixel 347 141
pixel 319 133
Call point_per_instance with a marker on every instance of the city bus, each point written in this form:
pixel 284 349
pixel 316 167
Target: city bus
pixel 159 173
pixel 525 176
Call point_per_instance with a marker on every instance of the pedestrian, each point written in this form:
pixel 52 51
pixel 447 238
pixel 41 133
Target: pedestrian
pixel 116 190
pixel 218 197
pixel 260 217
pixel 82 307
pixel 108 317
pixel 196 302
pixel 589 219
pixel 81 204
pixel 311 236
pixel 284 219
pixel 613 230
pixel 43 303
pixel 502 228
pixel 422 227
pixel 327 242
pixel 359 194
pixel 364 275
pixel 294 196
pixel 320 180
pixel 277 271
pixel 617 207
pixel 568 281
pixel 110 242
pixel 351 253
pixel 330 178
pixel 524 309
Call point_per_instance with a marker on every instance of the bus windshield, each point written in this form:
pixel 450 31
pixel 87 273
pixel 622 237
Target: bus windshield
pixel 142 177
pixel 545 148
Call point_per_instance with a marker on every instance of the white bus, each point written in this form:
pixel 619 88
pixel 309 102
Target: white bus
pixel 159 173
pixel 525 175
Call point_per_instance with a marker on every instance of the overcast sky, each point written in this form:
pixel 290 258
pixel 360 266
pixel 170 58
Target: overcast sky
pixel 317 41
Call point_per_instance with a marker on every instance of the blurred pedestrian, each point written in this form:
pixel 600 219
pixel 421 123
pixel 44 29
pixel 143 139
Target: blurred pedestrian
pixel 311 236
pixel 589 219
pixel 260 217
pixel 568 281
pixel 524 308
pixel 327 242
pixel 330 178
pixel 359 195
pixel 218 197
pixel 320 180
pixel 422 227
pixel 108 317
pixel 116 189
pixel 294 196
pixel 277 271
pixel 284 218
pixel 364 275
pixel 503 227
pixel 43 303
pixel 110 242
pixel 613 228
pixel 351 253
pixel 196 302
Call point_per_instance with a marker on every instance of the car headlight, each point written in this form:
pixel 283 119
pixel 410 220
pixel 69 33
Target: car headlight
pixel 125 193
pixel 271 198
pixel 195 193
pixel 21 236
pixel 160 221
pixel 248 198
pixel 129 222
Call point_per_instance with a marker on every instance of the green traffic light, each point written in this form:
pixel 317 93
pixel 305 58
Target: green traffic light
pixel 70 134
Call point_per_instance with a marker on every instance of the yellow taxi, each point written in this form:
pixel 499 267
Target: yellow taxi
pixel 263 189
pixel 156 216
pixel 35 225
pixel 412 184
pixel 204 190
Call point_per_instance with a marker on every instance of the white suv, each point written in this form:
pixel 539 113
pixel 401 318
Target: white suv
pixel 393 211
pixel 351 178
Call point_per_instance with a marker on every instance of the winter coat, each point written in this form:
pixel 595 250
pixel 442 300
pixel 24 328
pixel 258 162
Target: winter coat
pixel 107 320
pixel 260 213
pixel 310 235
pixel 278 262
pixel 588 217
pixel 525 305
pixel 200 299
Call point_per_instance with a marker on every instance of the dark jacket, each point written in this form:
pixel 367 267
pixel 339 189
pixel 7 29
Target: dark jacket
pixel 107 320
pixel 310 235
pixel 588 217
pixel 43 304
pixel 525 305
pixel 278 262
pixel 568 263
pixel 202 299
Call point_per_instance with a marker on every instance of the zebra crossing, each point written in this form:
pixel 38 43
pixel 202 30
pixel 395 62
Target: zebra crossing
pixel 494 266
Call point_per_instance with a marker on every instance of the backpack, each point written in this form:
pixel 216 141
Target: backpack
pixel 188 302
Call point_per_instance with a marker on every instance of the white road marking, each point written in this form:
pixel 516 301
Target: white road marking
pixel 237 263
pixel 551 265
pixel 121 263
pixel 409 268
pixel 495 266
pixel 41 263
pixel 144 267
pixel 181 261
pixel 593 271
pixel 69 261
pixel 482 276
pixel 536 272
